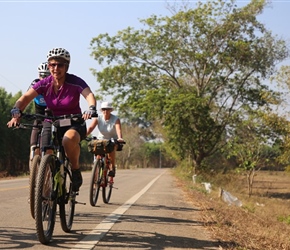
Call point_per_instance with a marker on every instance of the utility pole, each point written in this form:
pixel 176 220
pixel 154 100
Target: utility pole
pixel 160 156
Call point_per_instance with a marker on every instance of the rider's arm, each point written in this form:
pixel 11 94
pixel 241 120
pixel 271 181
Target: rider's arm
pixel 21 104
pixel 25 99
pixel 89 96
pixel 92 126
pixel 119 130
pixel 91 100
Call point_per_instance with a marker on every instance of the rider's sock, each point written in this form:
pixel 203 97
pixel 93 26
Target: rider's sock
pixel 76 179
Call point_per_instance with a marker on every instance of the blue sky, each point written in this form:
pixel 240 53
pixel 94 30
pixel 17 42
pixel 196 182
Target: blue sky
pixel 29 29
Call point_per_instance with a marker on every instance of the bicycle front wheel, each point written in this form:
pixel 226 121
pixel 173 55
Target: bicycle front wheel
pixel 32 182
pixel 107 187
pixel 45 199
pixel 67 201
pixel 95 182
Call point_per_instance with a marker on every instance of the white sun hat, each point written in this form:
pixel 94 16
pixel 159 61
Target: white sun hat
pixel 106 105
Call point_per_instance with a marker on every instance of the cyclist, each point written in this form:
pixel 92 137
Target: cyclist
pixel 39 105
pixel 61 92
pixel 109 126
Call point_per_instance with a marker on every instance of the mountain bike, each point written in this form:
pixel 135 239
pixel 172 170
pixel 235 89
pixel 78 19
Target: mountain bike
pixel 100 178
pixel 54 183
pixel 34 161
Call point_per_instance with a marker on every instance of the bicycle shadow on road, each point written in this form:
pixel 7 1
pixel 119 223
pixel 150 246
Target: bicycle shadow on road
pixel 152 207
pixel 92 218
pixel 22 238
pixel 15 238
pixel 146 240
pixel 165 228
pixel 163 207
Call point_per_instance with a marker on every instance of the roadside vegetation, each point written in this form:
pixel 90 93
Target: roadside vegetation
pixel 262 222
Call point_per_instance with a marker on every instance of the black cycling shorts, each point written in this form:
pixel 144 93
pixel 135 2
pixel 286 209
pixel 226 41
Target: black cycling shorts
pixel 80 127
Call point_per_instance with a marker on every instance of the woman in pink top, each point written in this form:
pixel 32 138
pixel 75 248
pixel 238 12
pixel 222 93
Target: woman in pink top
pixel 61 92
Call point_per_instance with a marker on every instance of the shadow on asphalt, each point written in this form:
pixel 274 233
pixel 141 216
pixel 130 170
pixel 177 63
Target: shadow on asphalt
pixel 14 238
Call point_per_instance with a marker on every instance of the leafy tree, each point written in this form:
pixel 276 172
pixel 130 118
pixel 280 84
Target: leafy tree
pixel 14 144
pixel 132 152
pixel 281 125
pixel 4 117
pixel 247 144
pixel 194 72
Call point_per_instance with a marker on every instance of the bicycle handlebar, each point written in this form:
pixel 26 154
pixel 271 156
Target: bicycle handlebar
pixel 112 139
pixel 27 126
pixel 31 117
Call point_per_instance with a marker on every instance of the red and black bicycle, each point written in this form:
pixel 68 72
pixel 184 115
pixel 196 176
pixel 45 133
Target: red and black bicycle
pixel 100 178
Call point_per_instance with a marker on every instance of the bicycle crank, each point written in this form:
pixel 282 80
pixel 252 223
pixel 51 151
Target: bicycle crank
pixel 78 202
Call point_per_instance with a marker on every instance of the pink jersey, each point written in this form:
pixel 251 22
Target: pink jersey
pixel 67 100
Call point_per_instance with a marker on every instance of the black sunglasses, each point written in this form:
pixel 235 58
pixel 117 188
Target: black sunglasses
pixel 59 65
pixel 43 75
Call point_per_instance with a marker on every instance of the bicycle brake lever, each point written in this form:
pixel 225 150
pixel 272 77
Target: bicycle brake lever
pixel 18 126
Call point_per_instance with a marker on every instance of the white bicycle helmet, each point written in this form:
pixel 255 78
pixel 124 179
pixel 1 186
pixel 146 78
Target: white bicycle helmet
pixel 59 52
pixel 43 69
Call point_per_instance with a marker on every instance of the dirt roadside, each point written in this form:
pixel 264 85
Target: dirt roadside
pixel 257 225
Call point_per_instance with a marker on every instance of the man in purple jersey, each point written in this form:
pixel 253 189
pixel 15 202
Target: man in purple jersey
pixel 61 92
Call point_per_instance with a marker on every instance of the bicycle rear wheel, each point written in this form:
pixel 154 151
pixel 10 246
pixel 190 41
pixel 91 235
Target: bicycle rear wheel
pixel 32 182
pixel 67 201
pixel 45 199
pixel 107 187
pixel 95 182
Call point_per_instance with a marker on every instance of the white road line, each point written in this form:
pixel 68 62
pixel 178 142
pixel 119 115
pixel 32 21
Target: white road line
pixel 99 232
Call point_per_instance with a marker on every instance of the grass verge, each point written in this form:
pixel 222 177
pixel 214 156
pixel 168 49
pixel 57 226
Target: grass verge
pixel 261 223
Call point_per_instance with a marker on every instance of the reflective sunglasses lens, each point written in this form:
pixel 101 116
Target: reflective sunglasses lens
pixel 53 65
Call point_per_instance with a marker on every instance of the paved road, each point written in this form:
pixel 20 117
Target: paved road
pixel 147 211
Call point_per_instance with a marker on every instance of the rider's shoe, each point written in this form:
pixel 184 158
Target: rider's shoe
pixel 77 180
pixel 112 172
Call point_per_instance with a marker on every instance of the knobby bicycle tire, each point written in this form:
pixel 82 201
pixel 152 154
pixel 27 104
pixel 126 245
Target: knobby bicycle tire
pixel 32 182
pixel 45 199
pixel 95 182
pixel 107 188
pixel 67 201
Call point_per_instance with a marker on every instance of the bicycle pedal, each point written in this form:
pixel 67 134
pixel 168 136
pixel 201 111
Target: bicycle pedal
pixel 78 202
pixel 53 195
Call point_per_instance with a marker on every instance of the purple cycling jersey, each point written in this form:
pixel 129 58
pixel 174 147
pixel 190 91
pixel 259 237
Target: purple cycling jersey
pixel 67 100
